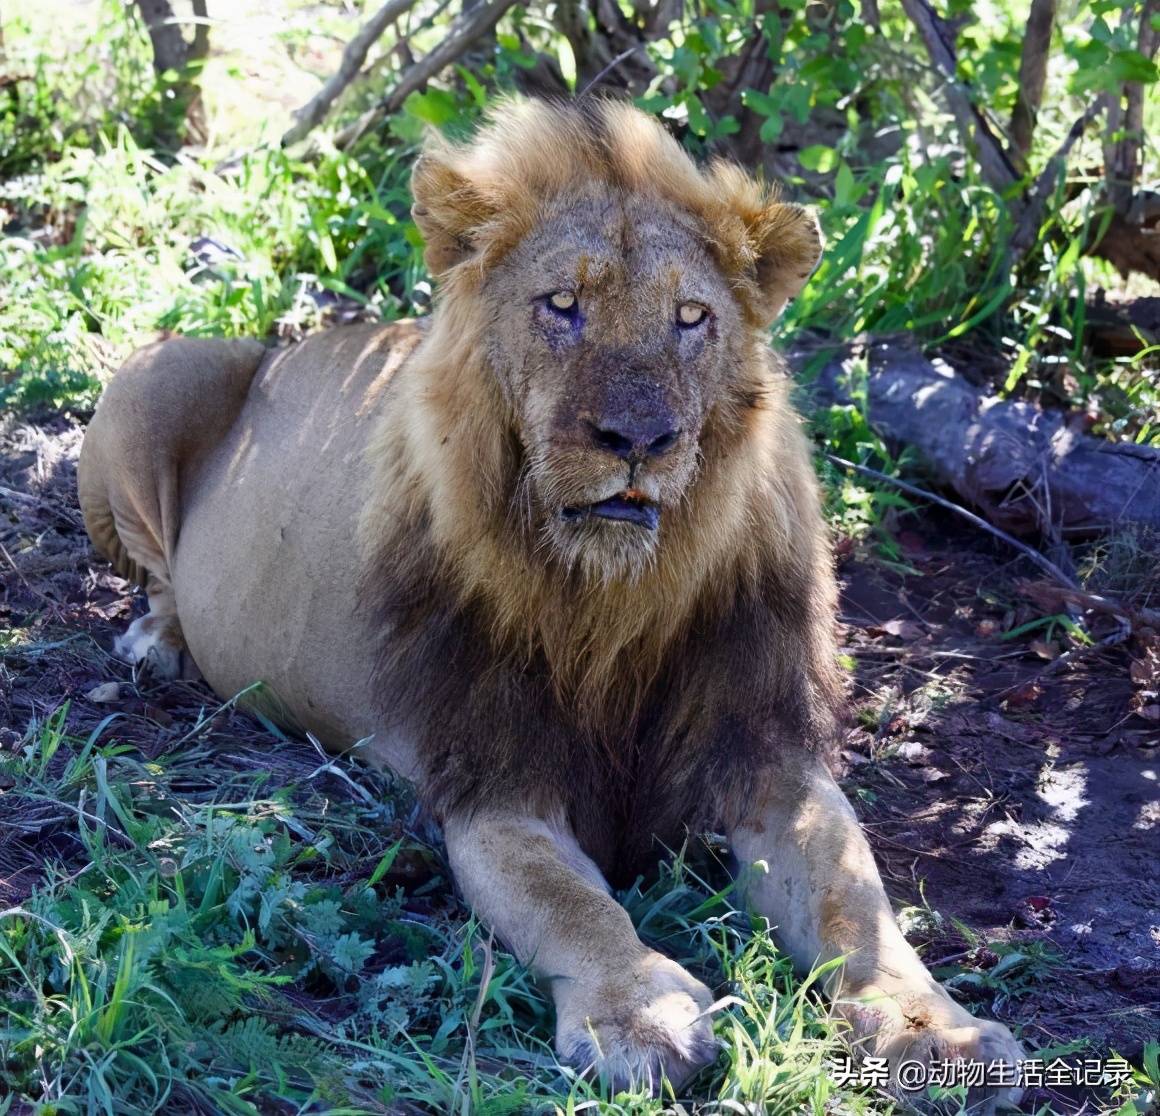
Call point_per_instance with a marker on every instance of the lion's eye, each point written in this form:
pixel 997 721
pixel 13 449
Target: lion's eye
pixel 564 301
pixel 691 314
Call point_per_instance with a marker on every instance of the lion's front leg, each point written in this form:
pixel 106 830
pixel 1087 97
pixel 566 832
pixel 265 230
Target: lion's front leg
pixel 621 1008
pixel 809 870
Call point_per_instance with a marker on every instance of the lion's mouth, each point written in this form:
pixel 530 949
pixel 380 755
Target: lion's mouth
pixel 629 506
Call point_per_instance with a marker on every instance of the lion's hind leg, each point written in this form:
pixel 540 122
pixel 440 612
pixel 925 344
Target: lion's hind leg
pixel 169 403
pixel 125 514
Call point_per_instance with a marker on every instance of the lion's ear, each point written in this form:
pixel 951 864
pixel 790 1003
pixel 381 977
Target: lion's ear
pixel 447 210
pixel 787 245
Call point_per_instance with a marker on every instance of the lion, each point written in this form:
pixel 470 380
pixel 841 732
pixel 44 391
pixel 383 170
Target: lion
pixel 556 555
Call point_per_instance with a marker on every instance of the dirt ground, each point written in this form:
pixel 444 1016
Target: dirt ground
pixel 1014 800
pixel 1015 797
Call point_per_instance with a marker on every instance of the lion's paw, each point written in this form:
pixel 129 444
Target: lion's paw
pixel 639 1027
pixel 154 645
pixel 913 1030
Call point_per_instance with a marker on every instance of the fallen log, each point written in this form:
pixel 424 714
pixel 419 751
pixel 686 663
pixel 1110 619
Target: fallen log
pixel 1030 471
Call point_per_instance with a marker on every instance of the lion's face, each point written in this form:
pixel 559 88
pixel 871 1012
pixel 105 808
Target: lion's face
pixel 610 334
pixel 614 296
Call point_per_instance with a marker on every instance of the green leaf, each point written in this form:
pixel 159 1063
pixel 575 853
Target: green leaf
pixel 771 129
pixel 351 952
pixel 436 106
pixel 384 865
pixel 326 250
pixel 698 118
pixel 567 61
pixel 818 158
pixel 1101 32
pixel 844 185
pixel 478 93
pixel 1131 65
pixel 759 102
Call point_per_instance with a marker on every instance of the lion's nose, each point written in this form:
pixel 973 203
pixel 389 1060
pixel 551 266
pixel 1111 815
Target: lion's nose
pixel 635 439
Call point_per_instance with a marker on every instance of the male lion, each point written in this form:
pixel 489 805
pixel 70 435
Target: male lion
pixel 556 554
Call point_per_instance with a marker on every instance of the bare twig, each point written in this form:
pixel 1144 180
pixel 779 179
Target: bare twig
pixel 47 506
pixel 1032 77
pixel 465 30
pixel 1045 564
pixel 623 56
pixel 311 114
pixel 27 584
pixel 1069 592
pixel 1051 596
pixel 1120 635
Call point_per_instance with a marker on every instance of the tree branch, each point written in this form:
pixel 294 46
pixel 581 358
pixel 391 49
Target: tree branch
pixel 171 52
pixel 1043 562
pixel 465 30
pixel 310 115
pixel 169 47
pixel 199 48
pixel 1126 116
pixel 1032 78
pixel 1035 201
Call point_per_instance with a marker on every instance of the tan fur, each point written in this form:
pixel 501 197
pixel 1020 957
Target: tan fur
pixel 405 533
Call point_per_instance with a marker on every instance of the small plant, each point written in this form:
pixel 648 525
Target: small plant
pixel 1002 970
pixel 1139 1095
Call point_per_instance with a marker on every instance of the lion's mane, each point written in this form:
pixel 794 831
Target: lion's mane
pixel 518 676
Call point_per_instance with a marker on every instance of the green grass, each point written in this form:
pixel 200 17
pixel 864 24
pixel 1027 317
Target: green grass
pixel 230 932
pixel 116 260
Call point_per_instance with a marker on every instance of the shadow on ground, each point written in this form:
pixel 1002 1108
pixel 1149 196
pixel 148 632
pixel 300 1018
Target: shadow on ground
pixel 1006 792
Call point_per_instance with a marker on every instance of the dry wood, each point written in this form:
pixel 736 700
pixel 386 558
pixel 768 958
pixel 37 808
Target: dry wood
pixel 1132 242
pixel 310 115
pixel 1029 471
